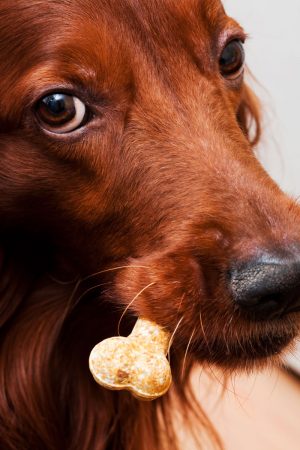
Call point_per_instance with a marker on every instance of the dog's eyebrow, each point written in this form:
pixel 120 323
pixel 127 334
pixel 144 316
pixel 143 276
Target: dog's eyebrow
pixel 232 30
pixel 35 83
pixel 42 78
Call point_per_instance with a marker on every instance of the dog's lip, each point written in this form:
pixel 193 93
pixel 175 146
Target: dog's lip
pixel 251 350
pixel 292 309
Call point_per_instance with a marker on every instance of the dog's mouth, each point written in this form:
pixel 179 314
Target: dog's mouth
pixel 248 350
pixel 236 340
pixel 203 314
pixel 245 340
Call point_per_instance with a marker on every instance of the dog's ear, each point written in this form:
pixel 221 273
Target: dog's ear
pixel 249 115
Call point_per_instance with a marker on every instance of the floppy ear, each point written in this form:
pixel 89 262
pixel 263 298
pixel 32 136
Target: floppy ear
pixel 249 116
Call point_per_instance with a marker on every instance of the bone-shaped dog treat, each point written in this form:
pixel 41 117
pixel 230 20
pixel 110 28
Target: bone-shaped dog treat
pixel 136 363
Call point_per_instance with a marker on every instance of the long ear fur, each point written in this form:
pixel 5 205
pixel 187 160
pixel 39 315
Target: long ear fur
pixel 47 395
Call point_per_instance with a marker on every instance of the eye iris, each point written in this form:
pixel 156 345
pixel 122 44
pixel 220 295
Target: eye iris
pixel 232 58
pixel 57 109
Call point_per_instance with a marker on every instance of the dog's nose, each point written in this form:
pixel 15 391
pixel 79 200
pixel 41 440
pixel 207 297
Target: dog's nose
pixel 267 287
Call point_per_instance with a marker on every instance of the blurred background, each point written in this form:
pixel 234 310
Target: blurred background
pixel 261 411
pixel 273 56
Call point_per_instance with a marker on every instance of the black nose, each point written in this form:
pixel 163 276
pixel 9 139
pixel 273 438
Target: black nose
pixel 267 287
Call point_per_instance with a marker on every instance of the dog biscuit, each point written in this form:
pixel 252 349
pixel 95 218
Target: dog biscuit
pixel 136 363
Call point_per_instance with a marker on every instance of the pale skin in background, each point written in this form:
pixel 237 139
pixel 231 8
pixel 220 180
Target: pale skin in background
pixel 257 412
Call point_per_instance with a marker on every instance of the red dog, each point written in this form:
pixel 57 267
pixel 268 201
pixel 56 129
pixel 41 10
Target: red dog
pixel 126 162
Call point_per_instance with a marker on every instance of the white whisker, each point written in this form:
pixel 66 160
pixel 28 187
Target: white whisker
pixel 203 331
pixel 128 306
pixel 173 334
pixel 186 352
pixel 90 289
pixel 113 269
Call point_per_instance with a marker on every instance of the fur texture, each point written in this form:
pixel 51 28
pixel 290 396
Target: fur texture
pixel 159 188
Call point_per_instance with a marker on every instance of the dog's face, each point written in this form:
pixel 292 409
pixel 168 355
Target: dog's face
pixel 123 143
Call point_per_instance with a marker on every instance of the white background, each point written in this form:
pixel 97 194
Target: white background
pixel 273 55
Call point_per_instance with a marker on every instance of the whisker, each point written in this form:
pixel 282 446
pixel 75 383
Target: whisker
pixel 232 390
pixel 91 289
pixel 295 355
pixel 238 340
pixel 69 304
pixel 203 331
pixel 113 269
pixel 180 303
pixel 62 283
pixel 173 335
pixel 220 382
pixel 227 328
pixel 186 351
pixel 224 386
pixel 128 306
pixel 81 280
pixel 74 291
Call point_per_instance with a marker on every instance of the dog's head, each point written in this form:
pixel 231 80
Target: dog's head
pixel 126 141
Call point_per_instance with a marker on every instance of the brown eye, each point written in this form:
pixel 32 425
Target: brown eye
pixel 232 60
pixel 61 113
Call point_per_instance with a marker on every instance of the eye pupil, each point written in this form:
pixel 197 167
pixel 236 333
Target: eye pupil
pixel 232 59
pixel 57 109
pixel 60 112
pixel 56 103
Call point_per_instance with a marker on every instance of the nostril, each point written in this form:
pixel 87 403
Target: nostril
pixel 267 287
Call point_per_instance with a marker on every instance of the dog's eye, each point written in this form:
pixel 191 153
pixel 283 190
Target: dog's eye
pixel 232 59
pixel 61 113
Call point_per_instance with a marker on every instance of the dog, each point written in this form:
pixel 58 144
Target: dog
pixel 130 188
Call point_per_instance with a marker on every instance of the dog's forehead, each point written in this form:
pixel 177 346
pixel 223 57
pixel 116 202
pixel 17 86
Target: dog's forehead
pixel 42 21
pixel 27 24
pixel 54 40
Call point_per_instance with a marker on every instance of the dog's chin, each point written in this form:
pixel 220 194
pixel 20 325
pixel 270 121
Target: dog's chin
pixel 245 354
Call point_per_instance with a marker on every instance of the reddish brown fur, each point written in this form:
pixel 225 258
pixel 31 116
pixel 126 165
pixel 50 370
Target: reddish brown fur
pixel 162 181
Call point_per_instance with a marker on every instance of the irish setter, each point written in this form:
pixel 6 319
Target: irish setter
pixel 127 167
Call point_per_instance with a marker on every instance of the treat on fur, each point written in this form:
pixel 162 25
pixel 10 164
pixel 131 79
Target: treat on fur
pixel 136 363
